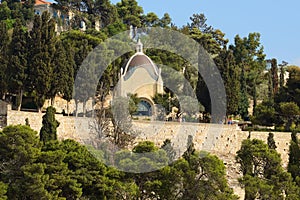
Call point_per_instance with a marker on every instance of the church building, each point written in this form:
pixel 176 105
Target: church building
pixel 142 77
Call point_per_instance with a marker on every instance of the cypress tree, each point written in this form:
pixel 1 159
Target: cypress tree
pixel 294 156
pixel 59 72
pixel 4 42
pixel 41 57
pixel 271 141
pixel 190 149
pixel 281 76
pixel 17 70
pixel 270 88
pixel 243 103
pixel 69 75
pixel 48 131
pixel 274 75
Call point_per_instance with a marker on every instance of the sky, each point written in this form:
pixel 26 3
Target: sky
pixel 278 22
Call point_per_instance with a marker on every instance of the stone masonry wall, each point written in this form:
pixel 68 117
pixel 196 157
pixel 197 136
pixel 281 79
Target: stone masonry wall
pixel 221 140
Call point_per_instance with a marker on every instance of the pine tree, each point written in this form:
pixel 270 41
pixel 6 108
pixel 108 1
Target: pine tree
pixel 263 175
pixel 50 124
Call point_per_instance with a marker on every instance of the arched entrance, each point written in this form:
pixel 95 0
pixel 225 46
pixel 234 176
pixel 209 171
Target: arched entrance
pixel 144 108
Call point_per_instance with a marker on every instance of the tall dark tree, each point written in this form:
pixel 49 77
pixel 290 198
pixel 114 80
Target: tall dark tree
pixel 167 146
pixel 190 148
pixel 274 75
pixel 17 71
pixel 42 43
pixel 271 95
pixel 48 131
pixel 62 73
pixel 271 141
pixel 230 74
pixel 249 55
pixel 67 89
pixel 243 101
pixel 293 84
pixel 4 44
pixel 281 77
pixel 294 156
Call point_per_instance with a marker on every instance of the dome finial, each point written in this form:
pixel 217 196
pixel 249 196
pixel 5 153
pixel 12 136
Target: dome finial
pixel 139 46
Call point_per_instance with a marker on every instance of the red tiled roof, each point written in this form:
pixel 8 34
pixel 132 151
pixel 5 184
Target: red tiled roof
pixel 41 2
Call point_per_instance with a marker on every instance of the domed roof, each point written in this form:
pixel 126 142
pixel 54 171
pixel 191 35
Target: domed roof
pixel 140 60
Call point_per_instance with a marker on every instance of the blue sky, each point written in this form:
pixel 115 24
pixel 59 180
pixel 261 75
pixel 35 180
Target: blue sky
pixel 276 21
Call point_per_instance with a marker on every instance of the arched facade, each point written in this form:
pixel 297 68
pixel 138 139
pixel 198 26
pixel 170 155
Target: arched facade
pixel 142 77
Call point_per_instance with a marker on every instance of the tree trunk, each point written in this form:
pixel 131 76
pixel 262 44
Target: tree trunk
pixel 39 109
pixel 52 101
pixel 20 99
pixel 254 99
pixel 83 107
pixel 288 124
pixel 68 108
pixel 76 109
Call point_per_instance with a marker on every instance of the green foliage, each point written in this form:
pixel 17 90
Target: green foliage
pixel 17 71
pixel 293 84
pixel 3 190
pixel 289 110
pixel 130 12
pixel 41 45
pixel 250 57
pixel 263 175
pixel 5 12
pixel 271 141
pixel 294 156
pixel 166 102
pixel 50 124
pixel 122 134
pixel 20 148
pixel 133 103
pixel 115 28
pixel 167 146
pixel 231 74
pixel 11 9
pixel 4 43
pixel 190 106
pixel 265 114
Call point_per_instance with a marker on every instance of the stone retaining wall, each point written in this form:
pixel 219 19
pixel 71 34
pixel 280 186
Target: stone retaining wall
pixel 221 140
